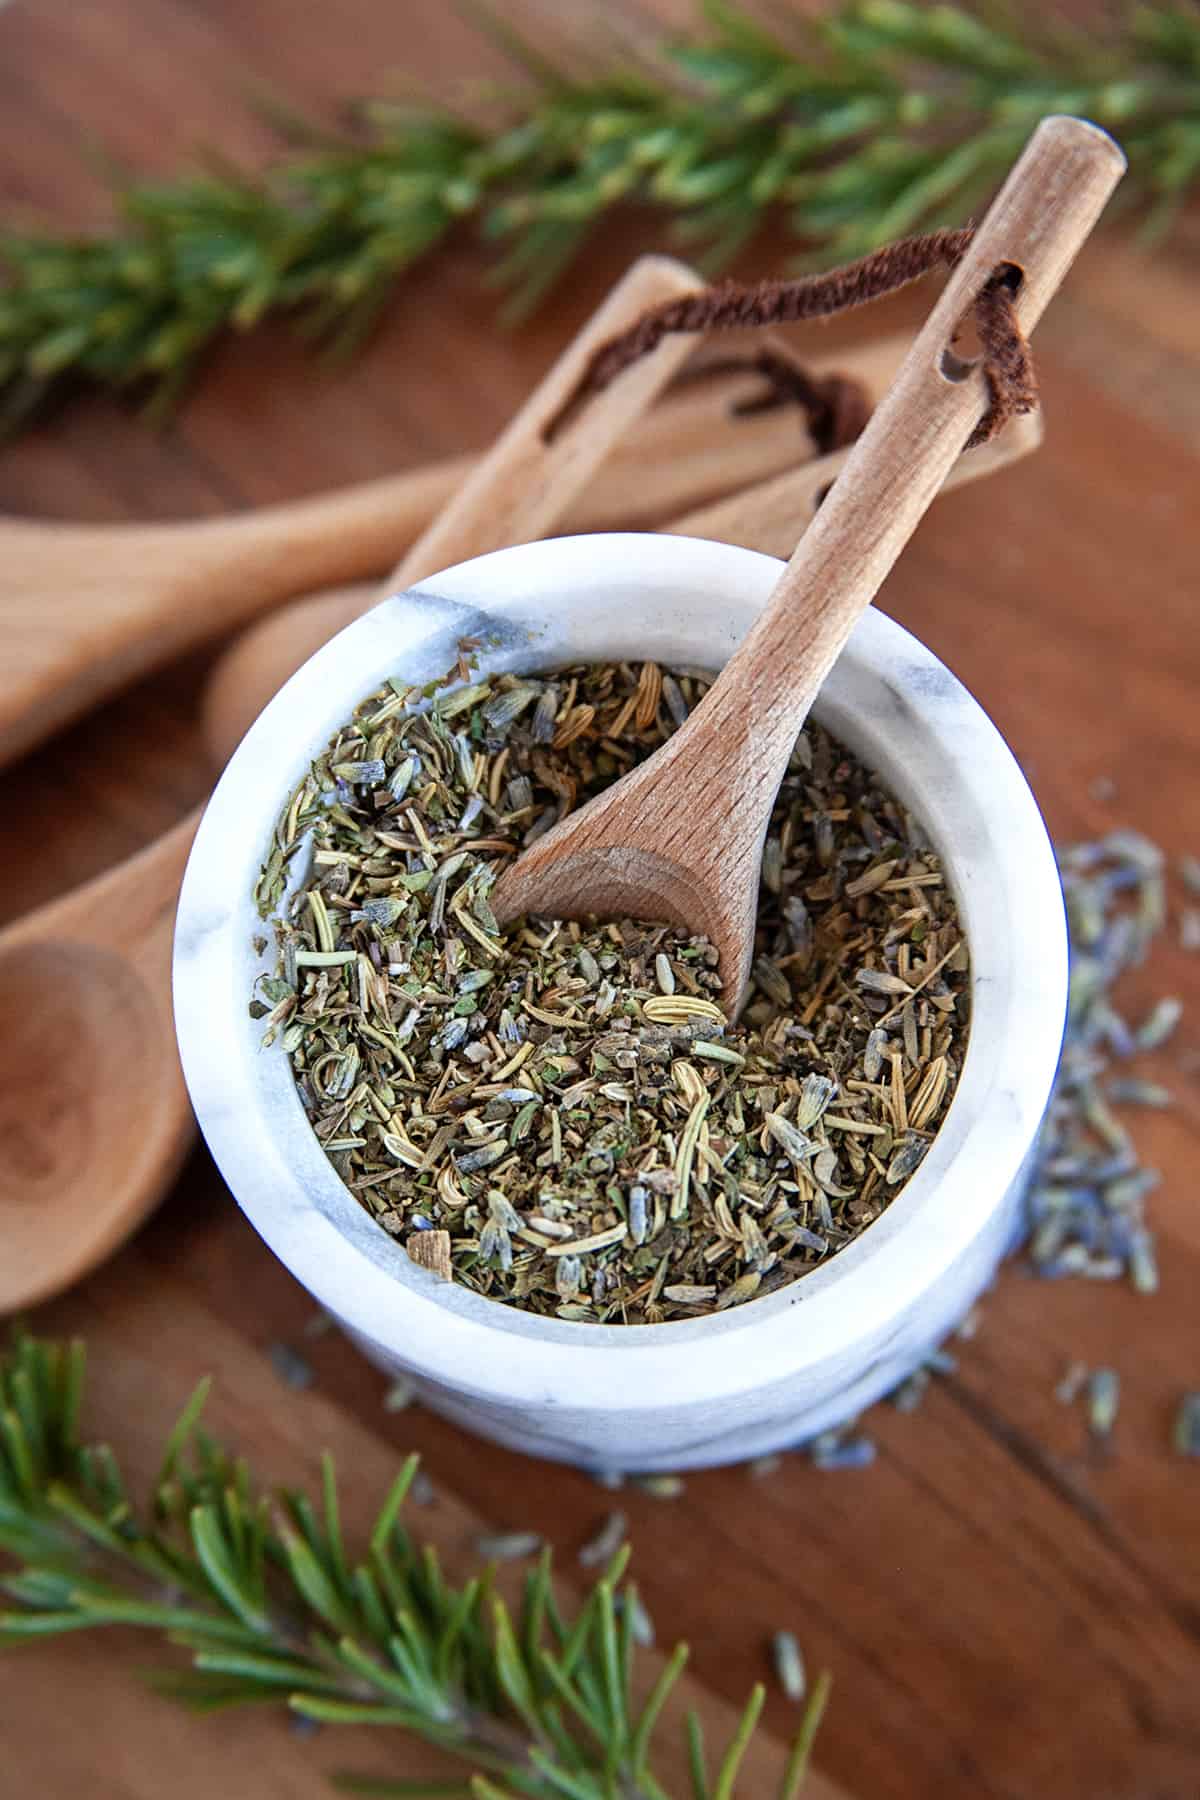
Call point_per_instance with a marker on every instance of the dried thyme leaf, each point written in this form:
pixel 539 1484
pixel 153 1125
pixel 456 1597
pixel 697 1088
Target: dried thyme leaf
pixel 566 1101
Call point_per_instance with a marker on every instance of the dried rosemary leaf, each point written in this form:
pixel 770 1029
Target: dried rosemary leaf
pixel 566 1105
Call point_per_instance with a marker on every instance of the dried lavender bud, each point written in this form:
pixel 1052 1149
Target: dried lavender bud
pixel 1104 1399
pixel 789 1665
pixel 569 1103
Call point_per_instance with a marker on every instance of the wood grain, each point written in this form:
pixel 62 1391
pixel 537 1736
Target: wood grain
pixel 87 609
pixel 1005 1618
pixel 284 1432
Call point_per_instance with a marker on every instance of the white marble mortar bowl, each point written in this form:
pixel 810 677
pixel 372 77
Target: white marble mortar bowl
pixel 771 1372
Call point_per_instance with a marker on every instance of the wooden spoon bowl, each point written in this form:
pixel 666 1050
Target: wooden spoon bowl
pixel 94 1116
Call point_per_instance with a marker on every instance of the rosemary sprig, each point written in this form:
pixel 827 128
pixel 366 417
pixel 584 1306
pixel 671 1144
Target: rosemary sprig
pixel 272 1606
pixel 885 116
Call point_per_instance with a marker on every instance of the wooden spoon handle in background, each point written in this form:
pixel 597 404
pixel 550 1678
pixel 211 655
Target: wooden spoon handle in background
pixel 257 665
pixel 769 516
pixel 85 609
pixel 526 482
pixel 1038 223
pixel 772 515
pixel 520 488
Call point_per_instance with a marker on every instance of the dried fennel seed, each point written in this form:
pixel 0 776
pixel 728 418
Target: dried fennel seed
pixel 568 1101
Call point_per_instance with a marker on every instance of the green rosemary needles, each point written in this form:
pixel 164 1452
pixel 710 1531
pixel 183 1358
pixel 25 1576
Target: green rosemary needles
pixel 569 1102
pixel 841 131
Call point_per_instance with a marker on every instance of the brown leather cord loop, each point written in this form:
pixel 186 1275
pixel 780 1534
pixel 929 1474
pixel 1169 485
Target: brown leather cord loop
pixel 732 306
pixel 835 407
pixel 1007 360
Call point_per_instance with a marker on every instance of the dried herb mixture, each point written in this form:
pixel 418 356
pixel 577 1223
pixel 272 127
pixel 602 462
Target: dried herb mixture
pixel 568 1101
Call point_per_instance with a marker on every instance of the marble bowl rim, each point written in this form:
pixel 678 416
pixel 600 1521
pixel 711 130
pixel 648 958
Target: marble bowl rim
pixel 471 1344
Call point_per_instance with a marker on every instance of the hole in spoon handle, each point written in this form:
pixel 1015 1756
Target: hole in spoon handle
pixel 965 353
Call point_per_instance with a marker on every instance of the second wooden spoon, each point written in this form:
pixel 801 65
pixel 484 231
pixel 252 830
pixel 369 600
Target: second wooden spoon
pixel 86 609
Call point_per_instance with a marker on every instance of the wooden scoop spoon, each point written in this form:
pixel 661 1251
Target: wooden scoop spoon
pixel 680 838
pixel 94 1115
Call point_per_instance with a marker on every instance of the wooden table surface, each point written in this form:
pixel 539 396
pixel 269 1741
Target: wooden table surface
pixel 1004 1615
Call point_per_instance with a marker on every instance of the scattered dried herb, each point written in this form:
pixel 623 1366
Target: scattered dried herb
pixel 661 1487
pixel 1086 1204
pixel 604 1543
pixel 789 1665
pixel 292 1368
pixel 508 1546
pixel 1104 1399
pixel 1185 1436
pixel 568 1102
pixel 841 1449
pixel 1072 1384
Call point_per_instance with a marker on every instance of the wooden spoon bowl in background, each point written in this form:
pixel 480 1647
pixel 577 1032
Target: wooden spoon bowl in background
pixel 94 1117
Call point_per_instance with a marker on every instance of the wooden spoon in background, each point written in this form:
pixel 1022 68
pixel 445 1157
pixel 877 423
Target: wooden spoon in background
pixel 680 837
pixel 94 1115
pixel 85 609
pixel 768 516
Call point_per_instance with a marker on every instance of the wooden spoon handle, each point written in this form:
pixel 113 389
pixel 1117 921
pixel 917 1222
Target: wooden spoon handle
pixel 515 493
pixel 527 480
pixel 129 908
pixel 1039 221
pixel 771 515
pixel 767 515
pixel 219 573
